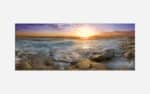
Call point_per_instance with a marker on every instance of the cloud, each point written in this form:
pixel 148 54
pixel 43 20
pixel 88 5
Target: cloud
pixel 70 26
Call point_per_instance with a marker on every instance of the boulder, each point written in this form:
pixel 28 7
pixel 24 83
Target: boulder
pixel 84 64
pixel 103 56
pixel 98 66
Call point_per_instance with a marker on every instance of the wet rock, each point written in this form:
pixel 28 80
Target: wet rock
pixel 129 54
pixel 68 57
pixel 128 44
pixel 98 66
pixel 104 55
pixel 17 60
pixel 84 64
pixel 128 48
pixel 40 61
pixel 88 64
pixel 109 53
pixel 72 67
pixel 23 65
pixel 19 53
pixel 61 65
pixel 24 54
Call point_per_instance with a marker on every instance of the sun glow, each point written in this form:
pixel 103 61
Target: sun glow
pixel 85 32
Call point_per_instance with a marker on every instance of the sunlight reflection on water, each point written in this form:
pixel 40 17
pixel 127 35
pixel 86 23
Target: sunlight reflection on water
pixel 84 44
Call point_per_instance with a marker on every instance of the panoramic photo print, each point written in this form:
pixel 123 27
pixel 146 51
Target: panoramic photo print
pixel 75 46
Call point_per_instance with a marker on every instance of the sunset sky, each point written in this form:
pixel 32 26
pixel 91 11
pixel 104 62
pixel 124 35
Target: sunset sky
pixel 59 29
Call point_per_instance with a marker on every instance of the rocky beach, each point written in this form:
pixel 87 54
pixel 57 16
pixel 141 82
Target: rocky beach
pixel 75 54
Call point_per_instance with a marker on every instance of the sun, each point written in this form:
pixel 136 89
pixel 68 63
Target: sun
pixel 85 32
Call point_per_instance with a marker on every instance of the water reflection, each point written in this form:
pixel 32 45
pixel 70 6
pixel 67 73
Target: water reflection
pixel 84 44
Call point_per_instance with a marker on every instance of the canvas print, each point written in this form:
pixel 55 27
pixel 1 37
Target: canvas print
pixel 75 46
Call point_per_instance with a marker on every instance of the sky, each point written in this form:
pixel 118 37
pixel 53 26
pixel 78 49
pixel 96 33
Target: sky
pixel 67 27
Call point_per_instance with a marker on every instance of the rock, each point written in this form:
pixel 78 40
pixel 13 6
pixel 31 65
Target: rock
pixel 109 53
pixel 98 58
pixel 19 53
pixel 98 66
pixel 36 60
pixel 130 47
pixel 88 64
pixel 129 54
pixel 104 55
pixel 61 65
pixel 17 60
pixel 40 61
pixel 24 54
pixel 23 66
pixel 72 67
pixel 67 57
pixel 84 64
pixel 48 62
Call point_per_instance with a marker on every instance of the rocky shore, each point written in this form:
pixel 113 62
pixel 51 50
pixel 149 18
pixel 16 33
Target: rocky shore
pixel 43 62
pixel 75 59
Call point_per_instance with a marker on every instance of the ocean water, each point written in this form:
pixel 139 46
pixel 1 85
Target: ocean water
pixel 44 45
pixel 74 49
